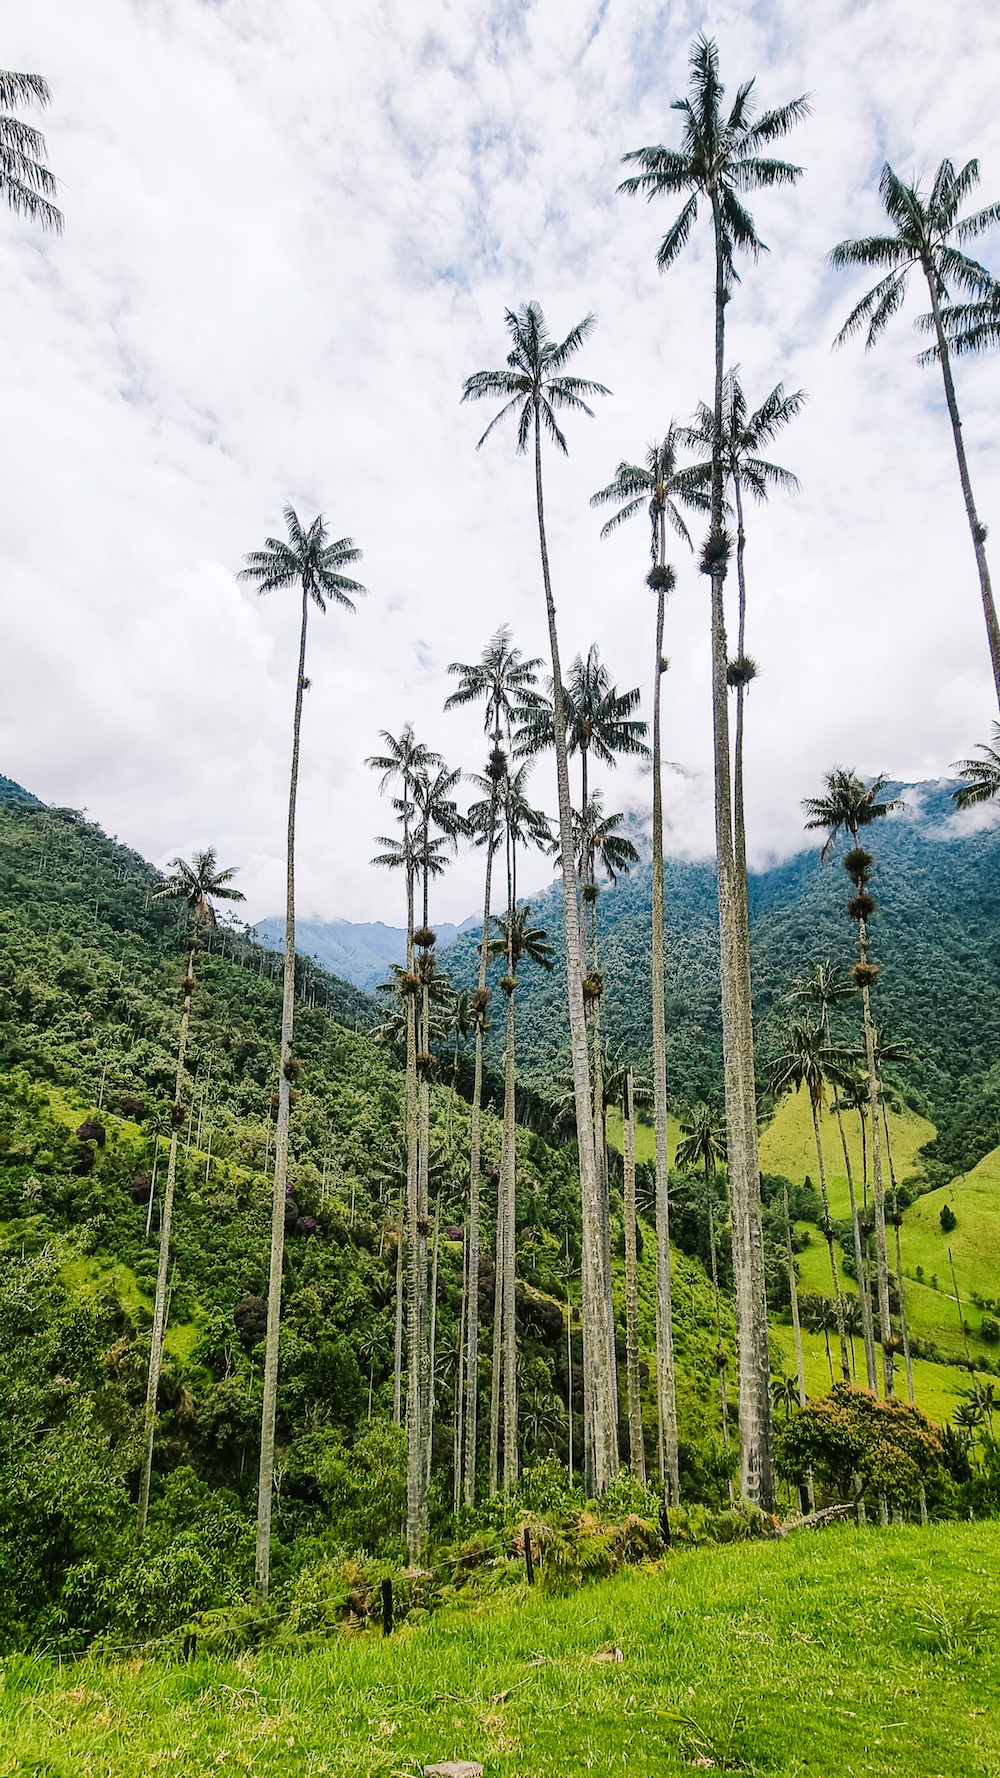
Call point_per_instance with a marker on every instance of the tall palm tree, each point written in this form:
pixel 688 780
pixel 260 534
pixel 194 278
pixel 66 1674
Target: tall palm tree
pixel 309 560
pixel 27 186
pixel 703 1140
pixel 805 1063
pixel 719 161
pixel 406 763
pixel 621 1088
pixel 929 235
pixel 517 941
pixel 503 682
pixel 600 721
pixel 194 884
pixel 850 805
pixel 982 776
pixel 656 487
pixel 534 386
pixel 744 436
pixel 829 986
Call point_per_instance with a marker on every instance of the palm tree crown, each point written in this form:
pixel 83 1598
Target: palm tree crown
pixel 27 185
pixel 656 485
pixel 519 940
pixel 703 1140
pixel 307 557
pixel 982 776
pixel 719 160
pixel 850 804
pixel 533 382
pixel 197 882
pixel 744 435
pixel 501 678
pixel 599 718
pixel 927 230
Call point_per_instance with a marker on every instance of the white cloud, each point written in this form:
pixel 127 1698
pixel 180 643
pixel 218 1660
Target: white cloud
pixel 292 231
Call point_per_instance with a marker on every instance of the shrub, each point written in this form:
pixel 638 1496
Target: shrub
pixel 848 1433
pixel 948 1219
pixel 989 1328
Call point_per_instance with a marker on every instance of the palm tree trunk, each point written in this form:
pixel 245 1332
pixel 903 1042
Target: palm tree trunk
pixel 739 824
pixel 838 1301
pixel 508 1188
pixel 423 1226
pixel 414 1434
pixel 160 1299
pixel 881 1257
pixel 265 1481
pixel 666 1394
pixel 720 1351
pixel 900 1286
pixel 637 1449
pixel 859 1259
pixel 475 1158
pixel 397 1377
pixel 977 529
pixel 433 1338
pixel 793 1289
pixel 499 1247
pixel 598 1382
pixel 459 1365
pixel 756 1432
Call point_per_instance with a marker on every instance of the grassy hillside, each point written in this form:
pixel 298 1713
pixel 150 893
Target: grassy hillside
pixel 837 1653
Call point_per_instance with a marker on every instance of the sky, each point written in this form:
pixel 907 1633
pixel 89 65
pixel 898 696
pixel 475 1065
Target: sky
pixel 292 231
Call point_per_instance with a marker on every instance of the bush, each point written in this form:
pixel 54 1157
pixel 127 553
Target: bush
pixel 848 1433
pixel 989 1329
pixel 948 1219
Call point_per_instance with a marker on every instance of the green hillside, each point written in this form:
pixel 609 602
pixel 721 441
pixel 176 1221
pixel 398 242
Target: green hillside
pixel 937 935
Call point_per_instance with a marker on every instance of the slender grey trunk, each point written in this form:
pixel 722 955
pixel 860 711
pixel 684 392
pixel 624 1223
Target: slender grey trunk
pixel 794 1292
pixel 265 1481
pixel 598 1382
pixel 720 1351
pixel 637 1448
pixel 900 1286
pixel 433 1338
pixel 475 1161
pixel 666 1395
pixel 156 1337
pixel 838 1301
pixel 756 1433
pixel 499 1248
pixel 414 1255
pixel 864 1300
pixel 977 529
pixel 459 1364
pixel 881 1257
pixel 508 1189
pixel 397 1379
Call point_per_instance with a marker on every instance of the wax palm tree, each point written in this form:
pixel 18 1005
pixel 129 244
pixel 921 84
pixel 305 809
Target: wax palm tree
pixel 805 1062
pixel 982 776
pixel 928 237
pixel 720 160
pixel 517 941
pixel 850 805
pixel 534 387
pixel 407 762
pixel 744 436
pixel 503 681
pixel 460 1023
pixel 830 986
pixel 657 488
pixel 702 1140
pixel 27 186
pixel 621 1088
pixel 309 560
pixel 193 884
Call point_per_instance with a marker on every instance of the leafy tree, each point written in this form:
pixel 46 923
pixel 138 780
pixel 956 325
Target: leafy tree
pixel 309 560
pixel 194 884
pixel 719 161
pixel 657 487
pixel 850 805
pixel 948 1219
pixel 849 1438
pixel 503 681
pixel 27 186
pixel 534 387
pixel 928 236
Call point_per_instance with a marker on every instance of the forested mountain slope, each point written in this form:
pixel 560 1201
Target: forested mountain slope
pixel 937 935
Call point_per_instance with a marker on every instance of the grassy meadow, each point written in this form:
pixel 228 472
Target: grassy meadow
pixel 833 1653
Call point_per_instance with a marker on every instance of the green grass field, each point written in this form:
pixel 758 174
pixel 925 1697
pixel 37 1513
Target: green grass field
pixel 832 1654
pixel 787 1146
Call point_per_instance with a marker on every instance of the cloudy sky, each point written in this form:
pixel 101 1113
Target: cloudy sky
pixel 292 229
